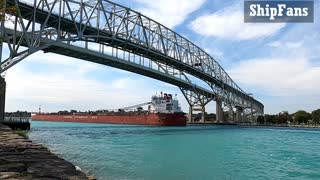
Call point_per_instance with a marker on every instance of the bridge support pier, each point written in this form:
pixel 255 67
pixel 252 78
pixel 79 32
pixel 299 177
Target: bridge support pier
pixel 219 112
pixel 194 108
pixel 2 22
pixel 190 115
pixel 197 103
pixel 239 111
pixel 2 98
pixel 2 80
pixel 203 114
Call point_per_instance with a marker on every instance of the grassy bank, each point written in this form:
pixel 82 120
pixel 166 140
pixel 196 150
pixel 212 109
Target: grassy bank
pixel 22 133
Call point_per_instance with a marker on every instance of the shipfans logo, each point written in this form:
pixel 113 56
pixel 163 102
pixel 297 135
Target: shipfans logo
pixel 278 11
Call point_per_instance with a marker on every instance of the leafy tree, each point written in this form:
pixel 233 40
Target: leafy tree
pixel 73 111
pixel 316 116
pixel 270 119
pixel 4 10
pixel 260 119
pixel 284 117
pixel 65 112
pixel 302 116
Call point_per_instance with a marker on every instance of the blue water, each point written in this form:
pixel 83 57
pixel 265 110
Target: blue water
pixel 195 152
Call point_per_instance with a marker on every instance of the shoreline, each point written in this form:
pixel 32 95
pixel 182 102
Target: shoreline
pixel 256 125
pixel 20 158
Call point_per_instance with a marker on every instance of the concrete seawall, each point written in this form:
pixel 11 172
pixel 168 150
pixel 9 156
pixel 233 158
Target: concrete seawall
pixel 20 158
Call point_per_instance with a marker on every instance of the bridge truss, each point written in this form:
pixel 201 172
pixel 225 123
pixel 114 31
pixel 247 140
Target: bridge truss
pixel 107 33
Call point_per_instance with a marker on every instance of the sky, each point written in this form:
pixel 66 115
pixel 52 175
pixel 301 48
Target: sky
pixel 279 63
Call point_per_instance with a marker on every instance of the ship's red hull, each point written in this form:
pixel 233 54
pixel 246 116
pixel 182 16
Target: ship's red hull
pixel 156 119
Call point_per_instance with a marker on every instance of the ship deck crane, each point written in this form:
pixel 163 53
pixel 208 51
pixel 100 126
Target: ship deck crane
pixel 135 106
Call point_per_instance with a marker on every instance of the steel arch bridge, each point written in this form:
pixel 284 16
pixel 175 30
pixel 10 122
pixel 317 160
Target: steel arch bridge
pixel 107 33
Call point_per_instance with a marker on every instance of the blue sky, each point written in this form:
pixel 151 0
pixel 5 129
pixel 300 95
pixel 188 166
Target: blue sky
pixel 278 63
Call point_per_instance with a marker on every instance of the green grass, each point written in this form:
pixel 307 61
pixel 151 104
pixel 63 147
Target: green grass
pixel 22 133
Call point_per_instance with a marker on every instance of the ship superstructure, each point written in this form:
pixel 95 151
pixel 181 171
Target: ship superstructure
pixel 164 104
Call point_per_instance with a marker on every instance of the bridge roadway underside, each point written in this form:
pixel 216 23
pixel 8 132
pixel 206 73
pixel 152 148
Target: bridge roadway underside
pixel 91 56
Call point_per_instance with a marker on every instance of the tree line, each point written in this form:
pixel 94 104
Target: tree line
pixel 284 117
pixel 6 10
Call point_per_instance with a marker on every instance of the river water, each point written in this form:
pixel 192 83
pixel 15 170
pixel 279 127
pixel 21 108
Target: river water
pixel 193 152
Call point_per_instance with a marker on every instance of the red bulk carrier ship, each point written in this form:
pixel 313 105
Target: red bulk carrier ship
pixel 163 110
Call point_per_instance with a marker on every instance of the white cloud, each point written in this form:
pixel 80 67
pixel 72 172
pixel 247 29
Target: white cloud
pixel 68 84
pixel 274 44
pixel 50 59
pixel 169 12
pixel 62 83
pixel 215 52
pixel 122 84
pixel 228 23
pixel 26 90
pixel 279 77
pixel 290 45
pixel 294 44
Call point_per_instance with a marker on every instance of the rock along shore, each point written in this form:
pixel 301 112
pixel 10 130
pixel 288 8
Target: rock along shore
pixel 20 158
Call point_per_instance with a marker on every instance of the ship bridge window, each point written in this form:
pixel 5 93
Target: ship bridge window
pixel 169 107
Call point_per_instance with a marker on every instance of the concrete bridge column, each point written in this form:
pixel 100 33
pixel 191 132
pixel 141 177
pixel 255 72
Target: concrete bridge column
pixel 2 98
pixel 203 113
pixel 3 6
pixel 219 112
pixel 238 114
pixel 190 114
